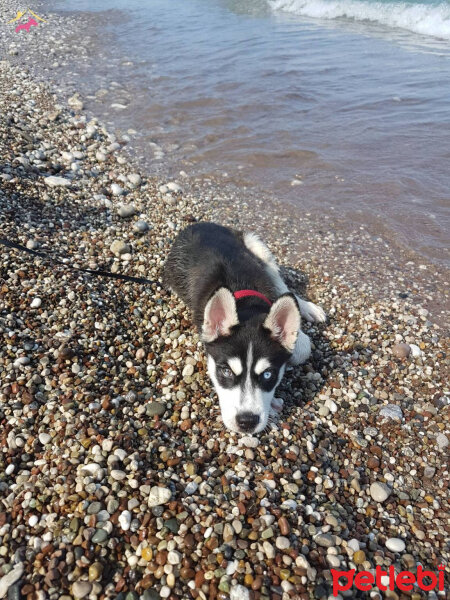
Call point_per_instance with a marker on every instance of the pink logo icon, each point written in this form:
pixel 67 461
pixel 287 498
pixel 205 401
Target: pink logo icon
pixel 26 26
pixel 32 22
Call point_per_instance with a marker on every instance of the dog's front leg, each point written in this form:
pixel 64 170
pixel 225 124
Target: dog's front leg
pixel 302 350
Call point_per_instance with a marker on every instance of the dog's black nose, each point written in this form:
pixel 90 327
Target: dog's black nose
pixel 247 421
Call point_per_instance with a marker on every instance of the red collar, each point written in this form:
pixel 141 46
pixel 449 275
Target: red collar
pixel 245 293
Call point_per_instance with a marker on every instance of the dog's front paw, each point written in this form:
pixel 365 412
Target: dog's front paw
pixel 312 312
pixel 277 405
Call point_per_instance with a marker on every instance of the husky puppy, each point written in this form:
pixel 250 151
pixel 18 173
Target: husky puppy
pixel 248 319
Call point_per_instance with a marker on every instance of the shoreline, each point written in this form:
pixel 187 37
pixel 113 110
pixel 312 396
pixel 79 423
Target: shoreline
pixel 378 247
pixel 116 475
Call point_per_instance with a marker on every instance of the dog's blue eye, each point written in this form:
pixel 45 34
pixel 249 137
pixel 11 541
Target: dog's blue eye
pixel 267 375
pixel 226 372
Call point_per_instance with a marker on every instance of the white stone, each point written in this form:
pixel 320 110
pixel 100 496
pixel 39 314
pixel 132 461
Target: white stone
pixel 44 438
pixel 329 403
pixel 10 578
pixel 282 543
pixel 9 469
pixel 54 181
pixel 135 179
pixel 415 350
pixel 249 441
pixel 118 475
pixel 379 491
pixel 92 469
pixel 174 557
pixel 158 496
pixel 116 190
pixel 353 544
pixel 395 545
pixel 191 488
pixel 21 361
pixel 125 520
pixel 174 187
pixel 36 303
pixel 33 521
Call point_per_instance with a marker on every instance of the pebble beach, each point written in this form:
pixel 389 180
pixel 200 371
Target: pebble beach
pixel 117 477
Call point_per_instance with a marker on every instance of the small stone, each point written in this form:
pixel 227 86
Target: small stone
pixel 44 438
pixel 267 533
pixel 174 557
pixel 116 190
pixel 395 545
pixel 249 441
pixel 81 589
pixel 284 526
pixel 174 187
pixel 158 496
pixel 54 181
pixel 331 405
pixel 95 571
pixel 191 488
pixel 282 543
pixel 326 540
pixel 119 247
pixel 415 350
pixel 8 580
pixel 239 592
pixel 401 350
pixel 442 441
pixel 75 102
pixel 155 409
pixel 188 371
pixel 141 226
pixel 135 179
pixel 359 557
pixel 33 521
pixel 379 491
pixel 99 536
pixel 126 210
pixel 429 472
pixel 125 520
pixel 21 361
pixel 392 411
pixel 118 475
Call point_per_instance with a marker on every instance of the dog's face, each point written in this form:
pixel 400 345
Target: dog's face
pixel 246 361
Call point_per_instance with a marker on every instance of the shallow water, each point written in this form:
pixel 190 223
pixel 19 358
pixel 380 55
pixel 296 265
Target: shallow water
pixel 332 114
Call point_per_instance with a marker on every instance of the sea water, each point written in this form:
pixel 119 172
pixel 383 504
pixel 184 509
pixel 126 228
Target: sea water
pixel 335 106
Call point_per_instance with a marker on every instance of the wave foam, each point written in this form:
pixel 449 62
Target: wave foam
pixel 426 19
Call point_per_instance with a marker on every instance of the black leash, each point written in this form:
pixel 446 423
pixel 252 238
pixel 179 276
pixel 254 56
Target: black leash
pixel 98 272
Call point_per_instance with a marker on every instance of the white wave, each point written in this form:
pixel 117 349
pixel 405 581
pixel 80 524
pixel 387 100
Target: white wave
pixel 426 19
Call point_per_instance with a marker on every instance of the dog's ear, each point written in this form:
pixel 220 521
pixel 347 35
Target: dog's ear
pixel 220 315
pixel 283 321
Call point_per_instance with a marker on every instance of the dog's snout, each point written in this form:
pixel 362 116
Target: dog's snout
pixel 247 421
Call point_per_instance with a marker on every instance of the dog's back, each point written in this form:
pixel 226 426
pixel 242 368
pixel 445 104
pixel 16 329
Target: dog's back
pixel 207 256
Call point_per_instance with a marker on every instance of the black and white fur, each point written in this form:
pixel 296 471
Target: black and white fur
pixel 248 343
